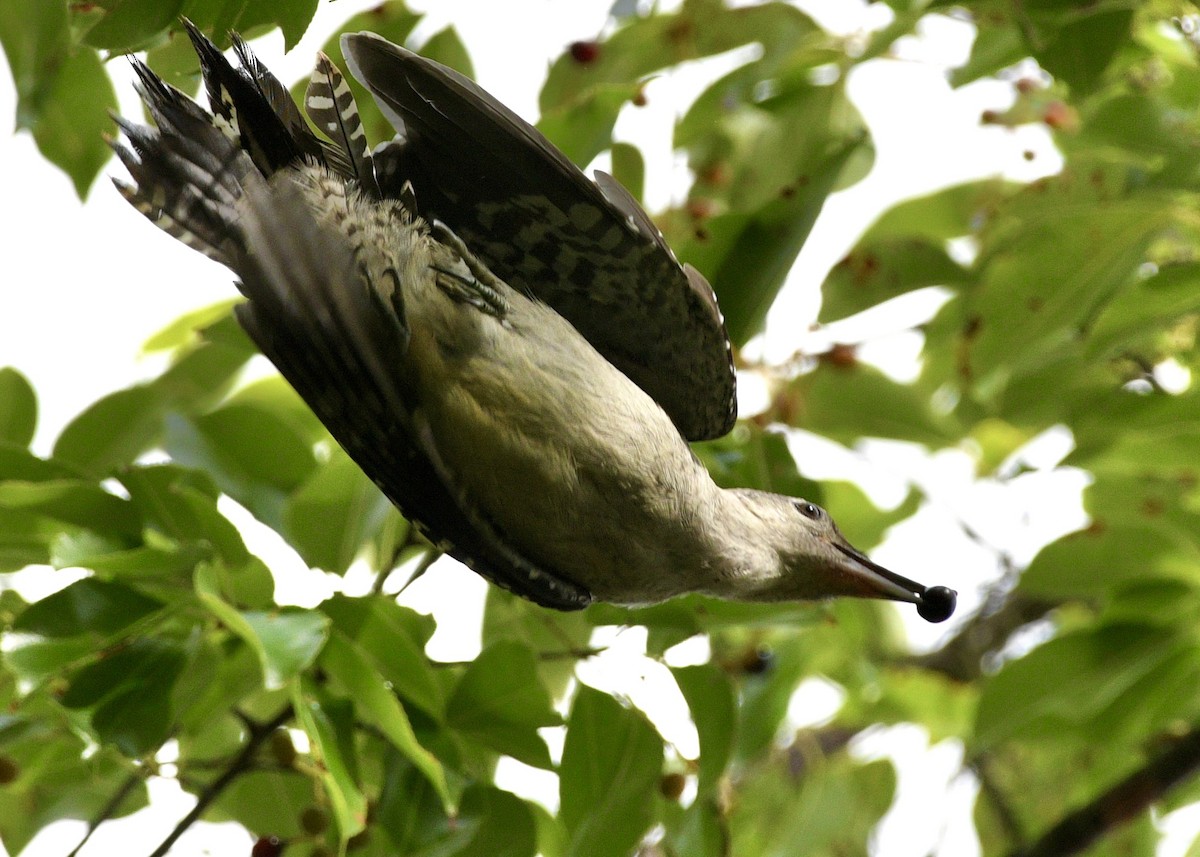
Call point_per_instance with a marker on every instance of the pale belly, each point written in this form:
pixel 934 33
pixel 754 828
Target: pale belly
pixel 579 469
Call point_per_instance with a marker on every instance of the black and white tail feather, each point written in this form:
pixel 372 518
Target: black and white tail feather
pixel 227 184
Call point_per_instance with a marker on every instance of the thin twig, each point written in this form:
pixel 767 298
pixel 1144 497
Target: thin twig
pixel 431 556
pixel 110 809
pixel 259 733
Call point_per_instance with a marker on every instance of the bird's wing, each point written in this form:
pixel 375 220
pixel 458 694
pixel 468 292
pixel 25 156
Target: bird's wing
pixel 590 251
pixel 310 309
pixel 340 344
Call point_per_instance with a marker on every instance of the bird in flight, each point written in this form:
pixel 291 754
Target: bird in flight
pixel 507 348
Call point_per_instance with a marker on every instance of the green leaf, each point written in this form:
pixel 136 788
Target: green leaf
pixel 119 427
pixel 113 431
pixel 25 540
pixel 184 330
pixel 73 501
pixel 393 638
pixel 290 641
pixel 1077 47
pixel 17 462
pixel 501 824
pixel 182 505
pixel 611 763
pixel 146 564
pixel 583 129
pixel 329 722
pixel 1016 320
pixel 254 445
pixel 83 784
pixel 940 216
pixel 286 642
pixel 848 403
pixel 18 408
pixel 765 699
pixel 747 255
pixel 254 455
pixel 652 42
pixel 1089 562
pixel 130 694
pixel 629 168
pixel 1066 681
pixel 1147 306
pixel 995 48
pixel 294 16
pixel 331 516
pixel 74 117
pixel 446 46
pixel 877 271
pixel 713 705
pixel 552 634
pixel 131 24
pixel 36 39
pixel 86 606
pixel 501 703
pixel 373 700
pixel 35 659
pixel 63 93
pixel 266 800
pixel 832 811
pixel 860 520
pixel 291 16
pixel 702 830
pixel 751 457
pixel 409 812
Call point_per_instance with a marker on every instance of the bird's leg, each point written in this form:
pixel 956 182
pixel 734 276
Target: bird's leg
pixel 478 287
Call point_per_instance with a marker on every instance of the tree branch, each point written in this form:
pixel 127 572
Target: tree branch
pixel 110 809
pixel 962 657
pixel 1005 814
pixel 1121 803
pixel 259 733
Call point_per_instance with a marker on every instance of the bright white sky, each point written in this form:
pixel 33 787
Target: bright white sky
pixel 86 284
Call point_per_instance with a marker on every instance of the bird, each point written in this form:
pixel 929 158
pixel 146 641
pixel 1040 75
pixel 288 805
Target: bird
pixel 507 348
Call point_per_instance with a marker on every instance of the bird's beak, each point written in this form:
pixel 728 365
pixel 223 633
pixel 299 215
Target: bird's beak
pixel 871 580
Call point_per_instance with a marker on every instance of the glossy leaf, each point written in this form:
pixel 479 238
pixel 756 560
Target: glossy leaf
pixel 610 767
pixel 849 403
pixel 73 501
pixel 711 699
pixel 1067 680
pixel 332 514
pixel 88 606
pixel 129 693
pixel 130 24
pixel 18 408
pixel 286 641
pixel 375 704
pixel 290 641
pixel 500 702
pixel 329 723
pixel 393 638
pixel 113 431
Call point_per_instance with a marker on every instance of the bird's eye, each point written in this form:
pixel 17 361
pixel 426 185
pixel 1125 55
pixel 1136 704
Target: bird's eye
pixel 808 510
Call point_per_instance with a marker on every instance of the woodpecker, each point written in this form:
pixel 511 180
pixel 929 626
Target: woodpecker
pixel 508 349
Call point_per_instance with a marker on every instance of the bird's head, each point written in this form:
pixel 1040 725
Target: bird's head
pixel 816 561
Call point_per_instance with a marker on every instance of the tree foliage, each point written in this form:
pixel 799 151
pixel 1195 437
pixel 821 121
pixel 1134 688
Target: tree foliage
pixel 1078 289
